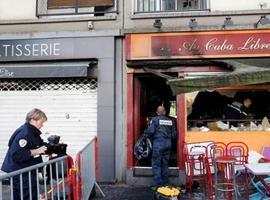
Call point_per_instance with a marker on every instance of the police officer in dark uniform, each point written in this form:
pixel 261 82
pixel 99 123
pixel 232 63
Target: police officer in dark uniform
pixel 237 111
pixel 25 149
pixel 162 130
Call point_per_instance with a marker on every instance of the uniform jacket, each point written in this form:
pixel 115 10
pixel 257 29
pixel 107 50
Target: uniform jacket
pixel 161 127
pixel 236 110
pixel 24 139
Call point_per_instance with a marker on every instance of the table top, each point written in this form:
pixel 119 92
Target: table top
pixel 258 168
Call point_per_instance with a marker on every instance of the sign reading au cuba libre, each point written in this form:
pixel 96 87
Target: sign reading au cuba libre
pixel 215 44
pixel 36 49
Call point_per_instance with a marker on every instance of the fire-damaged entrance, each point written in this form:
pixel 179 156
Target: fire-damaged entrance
pixel 148 92
pixel 155 92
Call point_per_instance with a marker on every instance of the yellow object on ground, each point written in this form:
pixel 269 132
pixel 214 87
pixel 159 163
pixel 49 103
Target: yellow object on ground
pixel 168 191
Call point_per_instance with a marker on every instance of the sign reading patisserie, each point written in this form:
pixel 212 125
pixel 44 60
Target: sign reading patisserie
pixel 216 44
pixel 35 49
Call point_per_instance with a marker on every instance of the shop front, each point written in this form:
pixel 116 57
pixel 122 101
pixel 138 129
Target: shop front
pixel 65 76
pixel 198 77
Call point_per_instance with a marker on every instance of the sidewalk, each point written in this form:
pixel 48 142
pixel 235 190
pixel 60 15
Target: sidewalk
pixel 126 192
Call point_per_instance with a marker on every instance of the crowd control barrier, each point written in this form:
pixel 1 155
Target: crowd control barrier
pixel 58 178
pixel 49 180
pixel 86 163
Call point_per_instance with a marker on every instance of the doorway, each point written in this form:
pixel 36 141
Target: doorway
pixel 151 91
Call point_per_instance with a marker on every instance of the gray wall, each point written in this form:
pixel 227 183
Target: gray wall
pixel 120 150
pixel 100 45
pixel 110 115
pixel 106 119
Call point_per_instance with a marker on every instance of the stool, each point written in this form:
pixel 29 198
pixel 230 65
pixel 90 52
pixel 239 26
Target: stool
pixel 227 184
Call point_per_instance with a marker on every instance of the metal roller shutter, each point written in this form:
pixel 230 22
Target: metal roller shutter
pixel 70 105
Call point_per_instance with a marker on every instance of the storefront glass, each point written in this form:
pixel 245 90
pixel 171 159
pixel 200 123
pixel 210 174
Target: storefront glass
pixel 229 109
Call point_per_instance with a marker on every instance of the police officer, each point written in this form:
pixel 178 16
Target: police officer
pixel 162 131
pixel 25 149
pixel 237 111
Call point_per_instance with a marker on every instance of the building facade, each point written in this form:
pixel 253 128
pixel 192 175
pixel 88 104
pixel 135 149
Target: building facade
pixel 80 47
pixel 65 59
pixel 168 48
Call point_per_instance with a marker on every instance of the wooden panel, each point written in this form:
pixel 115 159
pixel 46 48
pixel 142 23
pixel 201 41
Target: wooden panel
pixel 61 4
pixel 91 3
pixel 53 4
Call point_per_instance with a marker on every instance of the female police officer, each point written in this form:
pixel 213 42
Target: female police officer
pixel 25 148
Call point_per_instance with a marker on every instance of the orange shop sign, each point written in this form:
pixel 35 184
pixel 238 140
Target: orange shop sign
pixel 188 45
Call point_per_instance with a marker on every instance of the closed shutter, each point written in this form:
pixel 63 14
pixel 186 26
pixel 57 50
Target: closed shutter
pixel 70 105
pixel 54 4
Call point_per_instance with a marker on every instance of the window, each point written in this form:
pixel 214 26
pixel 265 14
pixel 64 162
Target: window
pixel 53 4
pixel 169 5
pixel 229 109
pixel 68 7
pixel 190 4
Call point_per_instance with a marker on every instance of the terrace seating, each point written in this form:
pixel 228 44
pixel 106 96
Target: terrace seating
pixel 213 150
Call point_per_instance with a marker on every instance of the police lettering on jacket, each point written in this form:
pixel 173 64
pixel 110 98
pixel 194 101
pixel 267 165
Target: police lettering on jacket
pixel 161 126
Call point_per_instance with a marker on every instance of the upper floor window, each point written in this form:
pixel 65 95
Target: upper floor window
pixel 53 4
pixel 67 7
pixel 146 6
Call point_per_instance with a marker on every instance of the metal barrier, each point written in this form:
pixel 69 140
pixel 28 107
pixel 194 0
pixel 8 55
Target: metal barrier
pixel 86 163
pixel 56 181
pixel 60 178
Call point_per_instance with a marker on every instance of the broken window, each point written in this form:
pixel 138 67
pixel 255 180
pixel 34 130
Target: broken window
pixel 229 110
